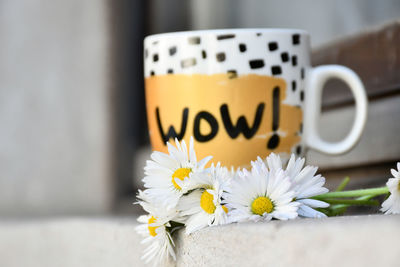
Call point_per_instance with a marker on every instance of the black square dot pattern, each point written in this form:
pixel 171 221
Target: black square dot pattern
pixel 155 57
pixel 294 61
pixel 220 57
pixel 285 57
pixel 203 54
pixel 188 62
pixel 272 46
pixel 276 70
pixel 172 50
pixel 256 63
pixel 194 40
pixel 296 39
pixel 225 36
pixel 232 74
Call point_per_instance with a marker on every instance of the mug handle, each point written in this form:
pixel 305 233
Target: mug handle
pixel 317 77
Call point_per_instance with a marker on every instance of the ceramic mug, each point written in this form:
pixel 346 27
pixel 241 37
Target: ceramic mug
pixel 241 93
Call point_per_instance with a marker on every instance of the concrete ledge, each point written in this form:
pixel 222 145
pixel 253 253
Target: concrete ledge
pixel 70 242
pixel 341 241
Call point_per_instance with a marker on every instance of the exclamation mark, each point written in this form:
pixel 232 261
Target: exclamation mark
pixel 274 140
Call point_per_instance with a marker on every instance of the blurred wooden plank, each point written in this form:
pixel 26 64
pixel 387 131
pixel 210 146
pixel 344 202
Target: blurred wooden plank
pixel 373 55
pixel 370 175
pixel 379 143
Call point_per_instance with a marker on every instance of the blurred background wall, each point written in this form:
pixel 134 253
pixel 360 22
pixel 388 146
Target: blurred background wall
pixel 73 135
pixel 54 107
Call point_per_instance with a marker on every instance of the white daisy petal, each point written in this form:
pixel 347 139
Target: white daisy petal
pixel 202 163
pixel 394 173
pixel 306 211
pixel 168 175
pixel 261 194
pixel 392 204
pixel 153 168
pixel 155 180
pixel 204 205
pixel 196 222
pixel 294 165
pixel 154 229
pixel 177 144
pixel 163 159
pixel 313 203
pixel 274 162
pixel 304 182
pixel 183 148
pixel 192 154
pixel 392 182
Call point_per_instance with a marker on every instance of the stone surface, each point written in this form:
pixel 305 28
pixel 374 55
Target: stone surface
pixel 341 241
pixel 68 242
pixel 54 107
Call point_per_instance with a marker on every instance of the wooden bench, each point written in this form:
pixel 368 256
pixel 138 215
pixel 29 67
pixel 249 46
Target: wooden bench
pixel 375 57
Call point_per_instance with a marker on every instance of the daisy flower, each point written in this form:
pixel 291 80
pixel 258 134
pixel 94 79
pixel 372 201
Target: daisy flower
pixel 156 229
pixel 203 206
pixel 305 183
pixel 260 194
pixel 392 204
pixel 168 175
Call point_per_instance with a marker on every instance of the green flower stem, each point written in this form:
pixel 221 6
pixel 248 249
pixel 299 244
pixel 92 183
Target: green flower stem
pixel 341 206
pixel 352 202
pixel 366 197
pixel 339 209
pixel 343 184
pixel 353 193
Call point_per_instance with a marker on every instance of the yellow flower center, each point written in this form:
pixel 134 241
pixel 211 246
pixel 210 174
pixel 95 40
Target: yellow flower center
pixel 152 229
pixel 206 202
pixel 225 209
pixel 261 205
pixel 180 173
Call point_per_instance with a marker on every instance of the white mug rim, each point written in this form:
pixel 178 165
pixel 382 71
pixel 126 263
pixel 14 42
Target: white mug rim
pixel 225 31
